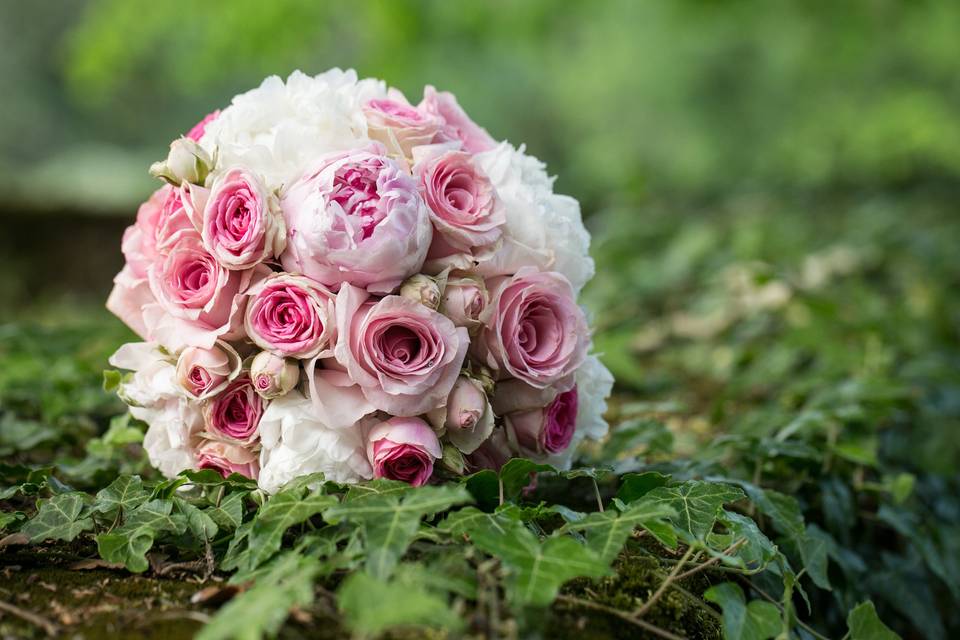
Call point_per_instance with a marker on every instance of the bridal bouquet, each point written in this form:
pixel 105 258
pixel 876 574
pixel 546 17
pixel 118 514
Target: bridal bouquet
pixel 333 279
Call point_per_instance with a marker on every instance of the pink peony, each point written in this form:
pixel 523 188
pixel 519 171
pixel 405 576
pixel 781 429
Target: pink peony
pixel 226 458
pixel 546 430
pixel 241 224
pixel 463 203
pixel 403 355
pixel 403 449
pixel 234 415
pixel 203 373
pixel 357 217
pixel 535 330
pixel 457 124
pixel 399 126
pixel 292 316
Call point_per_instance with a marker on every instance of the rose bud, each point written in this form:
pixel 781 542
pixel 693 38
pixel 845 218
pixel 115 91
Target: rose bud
pixel 234 415
pixel 463 300
pixel 546 431
pixel 272 375
pixel 423 289
pixel 403 449
pixel 492 454
pixel 469 418
pixel 203 373
pixel 225 458
pixel 186 162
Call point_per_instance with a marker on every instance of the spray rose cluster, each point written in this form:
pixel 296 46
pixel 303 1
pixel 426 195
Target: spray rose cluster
pixel 334 279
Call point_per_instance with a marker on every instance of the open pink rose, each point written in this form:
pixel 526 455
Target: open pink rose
pixel 403 355
pixel 403 449
pixel 234 415
pixel 535 330
pixel 457 124
pixel 399 126
pixel 546 430
pixel 203 373
pixel 357 217
pixel 201 127
pixel 226 458
pixel 463 203
pixel 292 316
pixel 241 224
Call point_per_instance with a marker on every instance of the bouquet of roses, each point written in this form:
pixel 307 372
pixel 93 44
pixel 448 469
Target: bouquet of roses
pixel 334 280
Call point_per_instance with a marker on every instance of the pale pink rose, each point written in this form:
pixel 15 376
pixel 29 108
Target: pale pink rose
pixel 226 458
pixel 492 454
pixel 203 373
pixel 292 316
pixel 463 204
pixel 469 418
pixel 399 126
pixel 234 414
pixel 130 294
pixel 197 299
pixel 544 431
pixel 535 331
pixel 201 127
pixel 272 375
pixel 464 300
pixel 403 449
pixel 404 356
pixel 242 225
pixel 357 217
pixel 457 124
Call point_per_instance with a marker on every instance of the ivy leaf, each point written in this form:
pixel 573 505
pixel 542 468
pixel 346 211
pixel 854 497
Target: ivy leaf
pixel 864 624
pixel 634 486
pixel 537 569
pixel 372 606
pixel 8 518
pixel 262 609
pixel 390 520
pixel 783 510
pixel 58 519
pixel 607 531
pixel 515 475
pixel 754 554
pixel 129 543
pixel 22 479
pixel 814 547
pixel 198 522
pixel 758 620
pixel 279 513
pixel 229 514
pixel 122 495
pixel 696 503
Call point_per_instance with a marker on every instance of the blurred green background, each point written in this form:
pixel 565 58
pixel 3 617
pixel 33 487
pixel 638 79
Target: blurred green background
pixel 773 189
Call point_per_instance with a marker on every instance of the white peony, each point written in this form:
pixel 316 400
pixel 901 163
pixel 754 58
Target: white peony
pixel 594 384
pixel 543 228
pixel 296 443
pixel 279 128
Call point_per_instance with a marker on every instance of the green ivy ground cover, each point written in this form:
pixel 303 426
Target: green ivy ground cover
pixel 783 464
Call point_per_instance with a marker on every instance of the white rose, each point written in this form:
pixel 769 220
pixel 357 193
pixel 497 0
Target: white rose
pixel 296 443
pixel 543 228
pixel 277 129
pixel 594 384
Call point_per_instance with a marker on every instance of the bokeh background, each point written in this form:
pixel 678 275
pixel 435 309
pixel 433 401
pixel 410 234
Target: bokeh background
pixel 773 189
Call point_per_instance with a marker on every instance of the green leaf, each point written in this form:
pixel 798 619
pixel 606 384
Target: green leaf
pixel 537 569
pixel 7 518
pixel 758 620
pixel 516 475
pixel 130 543
pixel 783 510
pixel 757 552
pixel 696 503
pixel 279 513
pixel 123 494
pixel 864 624
pixel 262 609
pixel 634 486
pixel 59 519
pixel 111 380
pixel 198 522
pixel 814 546
pixel 372 606
pixel 229 514
pixel 606 532
pixel 390 520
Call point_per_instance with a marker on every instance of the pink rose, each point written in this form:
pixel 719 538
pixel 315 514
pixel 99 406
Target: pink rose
pixel 492 454
pixel 544 431
pixel 399 126
pixel 241 224
pixel 403 449
pixel 463 203
pixel 457 124
pixel 225 458
pixel 234 415
pixel 358 218
pixel 463 301
pixel 292 316
pixel 535 330
pixel 404 356
pixel 203 373
pixel 201 127
pixel 272 375
pixel 469 418
pixel 197 299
